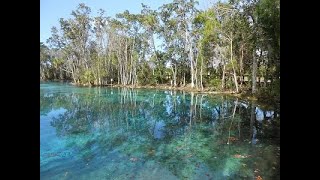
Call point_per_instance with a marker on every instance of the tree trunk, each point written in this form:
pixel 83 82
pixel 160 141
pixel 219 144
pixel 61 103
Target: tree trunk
pixel 196 73
pixel 241 65
pixel 61 73
pixel 126 62
pixel 99 76
pixel 174 74
pixel 254 73
pixel 191 70
pixel 132 64
pixel 201 72
pixel 223 76
pixel 190 58
pixel 234 72
pixel 154 47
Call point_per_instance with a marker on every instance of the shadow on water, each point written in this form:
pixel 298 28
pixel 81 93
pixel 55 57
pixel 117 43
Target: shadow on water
pixel 121 133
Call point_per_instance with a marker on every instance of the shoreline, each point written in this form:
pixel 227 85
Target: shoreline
pixel 165 87
pixel 160 87
pixel 244 95
pixel 206 90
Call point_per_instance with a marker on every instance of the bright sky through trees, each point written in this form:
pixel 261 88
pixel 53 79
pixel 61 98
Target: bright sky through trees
pixel 52 10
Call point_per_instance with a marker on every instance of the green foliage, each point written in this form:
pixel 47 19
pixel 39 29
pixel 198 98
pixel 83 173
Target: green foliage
pixel 87 77
pixel 215 84
pixel 78 49
pixel 270 94
pixel 145 75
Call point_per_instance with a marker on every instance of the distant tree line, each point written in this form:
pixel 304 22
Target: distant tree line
pixel 230 46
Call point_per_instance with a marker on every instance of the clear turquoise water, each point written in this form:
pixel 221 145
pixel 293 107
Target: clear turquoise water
pixel 118 133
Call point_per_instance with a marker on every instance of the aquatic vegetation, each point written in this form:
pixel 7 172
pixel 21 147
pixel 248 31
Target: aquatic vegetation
pixel 131 133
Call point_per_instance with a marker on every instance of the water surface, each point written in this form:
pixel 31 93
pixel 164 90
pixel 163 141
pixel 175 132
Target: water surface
pixel 121 133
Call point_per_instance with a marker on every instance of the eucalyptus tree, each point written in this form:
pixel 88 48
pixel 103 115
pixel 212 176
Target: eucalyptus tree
pixel 206 26
pixel 56 44
pixel 227 16
pixel 168 31
pixel 44 61
pixel 175 24
pixel 262 37
pixel 100 66
pixel 203 47
pixel 128 27
pixel 149 21
pixel 191 38
pixel 74 40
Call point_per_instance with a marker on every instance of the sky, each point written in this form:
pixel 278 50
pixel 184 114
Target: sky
pixel 52 10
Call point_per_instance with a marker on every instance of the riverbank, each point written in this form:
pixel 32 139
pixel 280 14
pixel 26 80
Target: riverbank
pixel 209 91
pixel 162 87
pixel 259 97
pixel 264 98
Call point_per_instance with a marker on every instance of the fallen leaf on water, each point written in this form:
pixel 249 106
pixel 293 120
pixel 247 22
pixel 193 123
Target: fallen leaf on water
pixel 233 138
pixel 241 156
pixel 259 178
pixel 151 152
pixel 237 156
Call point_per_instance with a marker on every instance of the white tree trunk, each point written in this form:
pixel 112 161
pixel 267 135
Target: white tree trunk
pixel 234 72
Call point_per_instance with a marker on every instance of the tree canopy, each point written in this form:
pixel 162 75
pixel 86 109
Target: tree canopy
pixel 233 46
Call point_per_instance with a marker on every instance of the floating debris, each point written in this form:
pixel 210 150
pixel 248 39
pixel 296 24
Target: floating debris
pixel 233 138
pixel 241 156
pixel 134 159
pixel 151 152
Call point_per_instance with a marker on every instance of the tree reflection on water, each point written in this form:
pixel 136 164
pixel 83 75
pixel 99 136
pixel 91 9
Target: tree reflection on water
pixel 189 134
